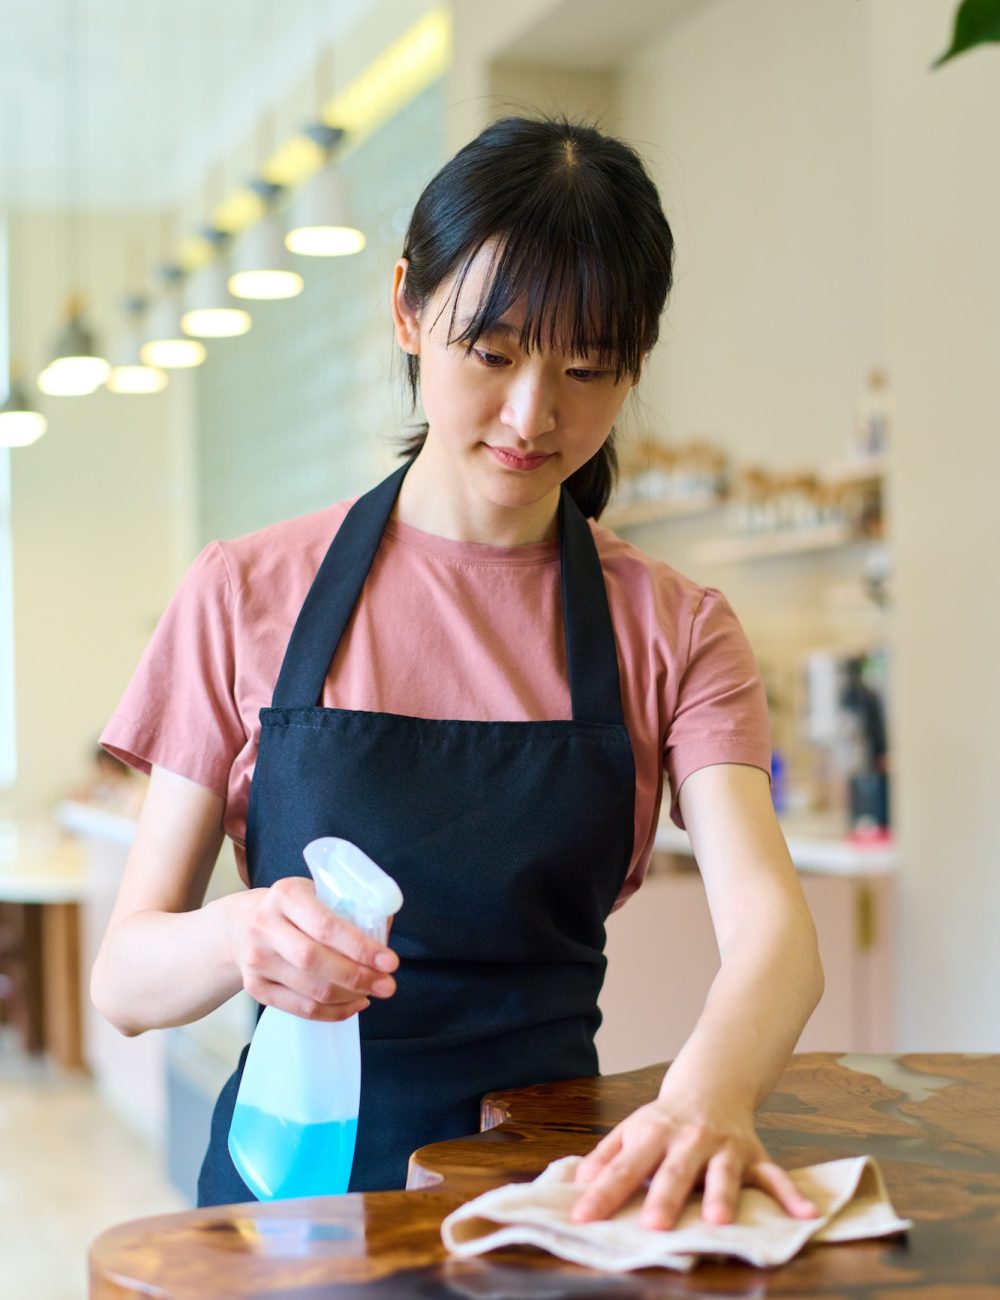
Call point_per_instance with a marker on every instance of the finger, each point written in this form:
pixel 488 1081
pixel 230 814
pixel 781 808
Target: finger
pixel 672 1183
pixel 308 985
pixel 298 902
pixel 319 972
pixel 594 1161
pixel 774 1180
pixel 722 1188
pixel 279 995
pixel 616 1182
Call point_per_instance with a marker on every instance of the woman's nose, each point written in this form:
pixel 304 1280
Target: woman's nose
pixel 529 409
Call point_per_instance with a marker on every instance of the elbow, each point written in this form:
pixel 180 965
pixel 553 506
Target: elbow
pixel 103 1003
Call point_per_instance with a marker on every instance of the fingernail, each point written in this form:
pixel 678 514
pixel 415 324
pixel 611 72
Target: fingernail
pixel 383 986
pixel 385 961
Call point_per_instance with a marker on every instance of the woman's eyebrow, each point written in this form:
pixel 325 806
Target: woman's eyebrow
pixel 498 327
pixel 505 327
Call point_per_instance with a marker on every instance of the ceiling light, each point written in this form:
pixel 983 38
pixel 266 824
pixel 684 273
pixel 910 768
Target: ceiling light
pixel 167 345
pixel 128 373
pixel 320 220
pixel 76 368
pixel 211 311
pixel 262 265
pixel 20 426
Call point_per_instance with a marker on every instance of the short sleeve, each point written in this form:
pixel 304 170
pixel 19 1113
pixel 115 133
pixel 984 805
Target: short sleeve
pixel 721 713
pixel 179 709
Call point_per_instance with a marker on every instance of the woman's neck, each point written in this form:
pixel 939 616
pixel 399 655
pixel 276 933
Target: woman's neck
pixel 437 497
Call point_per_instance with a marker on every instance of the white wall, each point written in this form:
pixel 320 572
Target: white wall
pixel 755 119
pixel 939 187
pixel 521 88
pixel 100 513
pixel 835 205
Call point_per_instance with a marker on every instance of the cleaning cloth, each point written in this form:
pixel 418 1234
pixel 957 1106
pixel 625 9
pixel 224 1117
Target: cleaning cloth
pixel 850 1195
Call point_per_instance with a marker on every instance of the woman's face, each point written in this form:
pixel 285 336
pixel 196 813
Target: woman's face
pixel 515 425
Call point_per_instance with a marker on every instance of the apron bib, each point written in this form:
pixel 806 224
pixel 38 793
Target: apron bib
pixel 509 840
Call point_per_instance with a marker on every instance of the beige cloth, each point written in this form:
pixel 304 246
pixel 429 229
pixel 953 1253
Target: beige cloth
pixel 850 1195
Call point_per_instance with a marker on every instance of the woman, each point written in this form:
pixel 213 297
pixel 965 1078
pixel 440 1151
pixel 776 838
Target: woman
pixel 465 676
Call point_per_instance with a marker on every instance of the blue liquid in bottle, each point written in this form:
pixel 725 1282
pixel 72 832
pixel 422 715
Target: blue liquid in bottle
pixel 295 1121
pixel 280 1158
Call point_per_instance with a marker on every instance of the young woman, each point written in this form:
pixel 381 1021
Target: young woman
pixel 467 676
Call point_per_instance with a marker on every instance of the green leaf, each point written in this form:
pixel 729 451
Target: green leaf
pixel 976 22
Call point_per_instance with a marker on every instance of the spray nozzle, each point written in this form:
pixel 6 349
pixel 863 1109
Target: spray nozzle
pixel 352 885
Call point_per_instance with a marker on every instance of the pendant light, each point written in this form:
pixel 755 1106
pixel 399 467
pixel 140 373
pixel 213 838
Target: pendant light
pixel 166 343
pixel 20 425
pixel 320 220
pixel 129 373
pixel 320 223
pixel 76 367
pixel 211 312
pixel 262 265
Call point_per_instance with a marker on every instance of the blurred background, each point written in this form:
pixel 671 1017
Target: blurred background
pixel 816 434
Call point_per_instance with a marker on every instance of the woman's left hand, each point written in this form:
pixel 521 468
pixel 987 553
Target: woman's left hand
pixel 679 1146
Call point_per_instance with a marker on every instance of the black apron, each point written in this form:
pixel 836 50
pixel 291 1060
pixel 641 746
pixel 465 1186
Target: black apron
pixel 509 840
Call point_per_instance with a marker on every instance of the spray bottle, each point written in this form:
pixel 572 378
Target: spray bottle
pixel 295 1121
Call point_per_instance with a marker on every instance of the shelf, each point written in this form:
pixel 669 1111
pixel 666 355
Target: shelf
pixel 39 871
pixel 872 470
pixel 89 819
pixel 811 854
pixel 652 512
pixel 770 545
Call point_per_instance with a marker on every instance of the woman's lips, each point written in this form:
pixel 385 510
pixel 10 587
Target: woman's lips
pixel 514 461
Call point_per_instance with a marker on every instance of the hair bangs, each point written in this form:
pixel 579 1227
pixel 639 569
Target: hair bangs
pixel 576 297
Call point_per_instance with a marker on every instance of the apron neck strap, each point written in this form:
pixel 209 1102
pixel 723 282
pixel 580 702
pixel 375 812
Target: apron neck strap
pixel 595 688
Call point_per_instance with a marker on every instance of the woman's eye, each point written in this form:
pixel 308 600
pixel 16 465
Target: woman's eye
pixel 585 376
pixel 490 358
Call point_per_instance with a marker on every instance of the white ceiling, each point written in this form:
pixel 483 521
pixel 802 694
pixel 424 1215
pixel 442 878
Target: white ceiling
pixel 596 35
pixel 129 103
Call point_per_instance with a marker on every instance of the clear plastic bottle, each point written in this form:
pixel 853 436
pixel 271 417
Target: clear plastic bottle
pixel 295 1121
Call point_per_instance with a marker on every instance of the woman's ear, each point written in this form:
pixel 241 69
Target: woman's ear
pixel 404 318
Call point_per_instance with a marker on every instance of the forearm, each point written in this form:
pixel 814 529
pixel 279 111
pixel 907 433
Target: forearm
pixel 157 969
pixel 765 991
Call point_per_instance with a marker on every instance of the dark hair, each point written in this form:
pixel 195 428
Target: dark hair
pixel 582 239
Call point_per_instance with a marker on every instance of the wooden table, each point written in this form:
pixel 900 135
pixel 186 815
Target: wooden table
pixel 933 1123
pixel 41 888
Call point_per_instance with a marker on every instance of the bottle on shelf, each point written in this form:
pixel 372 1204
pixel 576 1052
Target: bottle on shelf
pixel 874 417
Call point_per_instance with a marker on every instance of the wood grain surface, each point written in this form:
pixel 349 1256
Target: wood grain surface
pixel 931 1121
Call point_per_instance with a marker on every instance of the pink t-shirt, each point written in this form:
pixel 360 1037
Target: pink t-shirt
pixel 442 629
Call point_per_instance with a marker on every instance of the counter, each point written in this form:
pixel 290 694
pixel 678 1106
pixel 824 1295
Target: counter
pixel 812 847
pixel 930 1121
pixel 43 879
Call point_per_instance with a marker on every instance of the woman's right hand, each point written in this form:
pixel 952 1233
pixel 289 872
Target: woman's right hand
pixel 294 953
